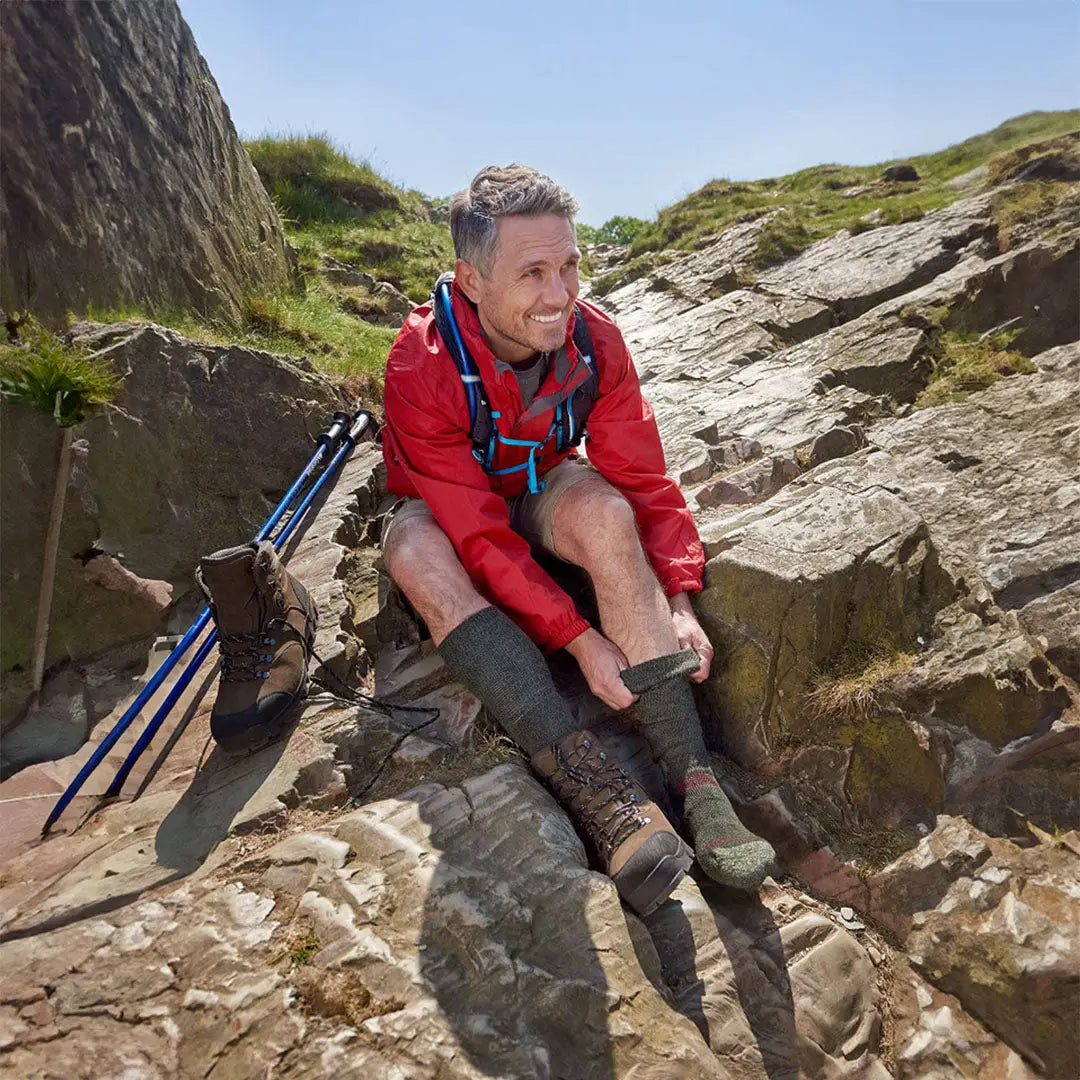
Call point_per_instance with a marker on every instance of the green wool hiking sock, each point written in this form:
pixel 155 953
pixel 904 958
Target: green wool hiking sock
pixel 493 658
pixel 727 851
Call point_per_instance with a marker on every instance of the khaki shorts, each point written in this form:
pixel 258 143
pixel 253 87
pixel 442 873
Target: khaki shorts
pixel 531 516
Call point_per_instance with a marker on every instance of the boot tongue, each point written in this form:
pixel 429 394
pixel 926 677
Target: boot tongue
pixel 228 577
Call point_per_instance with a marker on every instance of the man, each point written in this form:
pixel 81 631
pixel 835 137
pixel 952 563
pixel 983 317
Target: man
pixel 459 543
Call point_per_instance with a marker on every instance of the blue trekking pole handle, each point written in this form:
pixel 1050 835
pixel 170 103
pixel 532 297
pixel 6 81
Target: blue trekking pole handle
pixel 327 443
pixel 356 430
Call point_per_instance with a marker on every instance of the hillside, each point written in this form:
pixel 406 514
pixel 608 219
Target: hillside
pixel 814 203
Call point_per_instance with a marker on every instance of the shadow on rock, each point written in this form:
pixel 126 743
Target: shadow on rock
pixel 759 963
pixel 513 930
pixel 221 788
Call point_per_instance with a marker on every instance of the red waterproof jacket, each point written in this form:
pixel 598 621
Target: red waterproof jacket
pixel 429 456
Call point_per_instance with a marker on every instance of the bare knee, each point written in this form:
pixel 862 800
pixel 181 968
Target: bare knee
pixel 594 526
pixel 421 560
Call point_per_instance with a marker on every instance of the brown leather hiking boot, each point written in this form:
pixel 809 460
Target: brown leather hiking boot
pixel 626 830
pixel 266 625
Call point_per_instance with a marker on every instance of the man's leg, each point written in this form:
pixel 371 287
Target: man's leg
pixel 490 655
pixel 485 649
pixel 593 526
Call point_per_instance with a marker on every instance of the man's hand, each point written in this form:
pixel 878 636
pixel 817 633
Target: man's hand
pixel 690 634
pixel 600 662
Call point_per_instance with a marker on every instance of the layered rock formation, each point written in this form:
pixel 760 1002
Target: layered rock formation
pixel 892 591
pixel 123 179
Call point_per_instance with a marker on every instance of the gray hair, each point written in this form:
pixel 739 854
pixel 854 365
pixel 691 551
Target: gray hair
pixel 501 191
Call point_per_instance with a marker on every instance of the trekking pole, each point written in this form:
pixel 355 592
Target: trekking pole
pixel 359 426
pixel 327 444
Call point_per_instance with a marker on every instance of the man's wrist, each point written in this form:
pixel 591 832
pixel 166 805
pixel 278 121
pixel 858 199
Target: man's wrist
pixel 575 646
pixel 680 604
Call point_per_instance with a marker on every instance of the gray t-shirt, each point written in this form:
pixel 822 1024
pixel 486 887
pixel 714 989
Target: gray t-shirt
pixel 529 377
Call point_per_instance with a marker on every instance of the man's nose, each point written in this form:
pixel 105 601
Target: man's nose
pixel 555 291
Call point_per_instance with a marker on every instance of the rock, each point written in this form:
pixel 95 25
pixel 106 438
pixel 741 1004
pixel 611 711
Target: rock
pixel 757 482
pixel 970 179
pixel 986 677
pixel 903 173
pixel 854 273
pixel 837 442
pixel 375 301
pixel 934 1039
pixel 1034 780
pixel 113 193
pixel 794 583
pixel 1054 159
pixel 919 879
pixel 760 996
pixel 344 274
pixel 203 442
pixel 1005 942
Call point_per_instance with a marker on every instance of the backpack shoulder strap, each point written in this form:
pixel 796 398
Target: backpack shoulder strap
pixel 480 422
pixel 584 397
pixel 583 339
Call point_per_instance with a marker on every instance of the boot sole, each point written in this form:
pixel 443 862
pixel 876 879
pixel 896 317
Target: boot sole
pixel 262 736
pixel 659 884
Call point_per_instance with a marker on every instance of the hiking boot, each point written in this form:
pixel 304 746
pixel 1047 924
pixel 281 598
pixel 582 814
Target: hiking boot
pixel 626 830
pixel 266 626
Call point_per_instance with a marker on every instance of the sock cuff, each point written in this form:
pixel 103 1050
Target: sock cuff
pixel 477 628
pixel 645 676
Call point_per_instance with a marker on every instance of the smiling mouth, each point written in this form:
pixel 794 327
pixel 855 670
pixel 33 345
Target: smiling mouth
pixel 547 318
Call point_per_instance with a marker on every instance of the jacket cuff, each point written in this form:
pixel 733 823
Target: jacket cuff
pixel 674 585
pixel 564 632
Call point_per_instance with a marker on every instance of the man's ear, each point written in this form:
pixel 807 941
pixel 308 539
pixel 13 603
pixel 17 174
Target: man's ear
pixel 468 280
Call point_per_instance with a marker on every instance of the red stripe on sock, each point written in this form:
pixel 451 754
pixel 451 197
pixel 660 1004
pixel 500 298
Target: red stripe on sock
pixel 697 781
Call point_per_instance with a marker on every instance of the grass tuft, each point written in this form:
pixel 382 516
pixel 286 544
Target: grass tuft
pixel 301 944
pixel 854 687
pixel 965 362
pixel 42 371
pixel 1031 200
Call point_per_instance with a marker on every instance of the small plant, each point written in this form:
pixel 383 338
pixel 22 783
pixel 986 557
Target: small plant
pixel 300 946
pixel 964 363
pixel 56 378
pixel 855 685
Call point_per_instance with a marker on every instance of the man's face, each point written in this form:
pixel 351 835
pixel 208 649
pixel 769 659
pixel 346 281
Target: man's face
pixel 525 303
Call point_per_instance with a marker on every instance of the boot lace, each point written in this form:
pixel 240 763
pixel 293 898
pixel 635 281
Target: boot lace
pixel 243 656
pixel 601 794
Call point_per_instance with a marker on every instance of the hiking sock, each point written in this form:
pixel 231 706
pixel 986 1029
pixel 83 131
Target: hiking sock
pixel 496 660
pixel 665 711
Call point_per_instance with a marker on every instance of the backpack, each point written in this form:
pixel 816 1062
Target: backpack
pixel 568 426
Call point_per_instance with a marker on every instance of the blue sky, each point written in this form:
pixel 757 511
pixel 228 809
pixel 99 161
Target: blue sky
pixel 632 106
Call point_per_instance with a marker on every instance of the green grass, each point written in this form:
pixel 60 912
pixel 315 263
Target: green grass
pixel 814 198
pixel 333 206
pixel 964 363
pixel 41 371
pixel 1032 200
pixel 313 325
